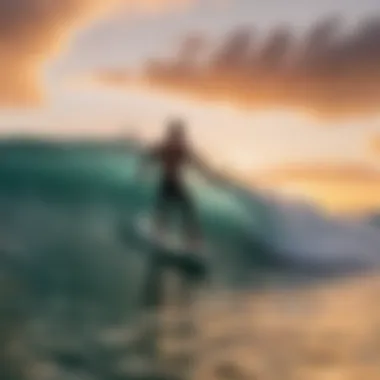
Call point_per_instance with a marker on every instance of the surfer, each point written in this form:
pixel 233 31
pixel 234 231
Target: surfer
pixel 173 153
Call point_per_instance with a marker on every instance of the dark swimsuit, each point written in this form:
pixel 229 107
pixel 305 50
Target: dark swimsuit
pixel 172 193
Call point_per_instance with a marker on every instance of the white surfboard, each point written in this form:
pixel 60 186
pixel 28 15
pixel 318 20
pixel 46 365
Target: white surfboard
pixel 171 240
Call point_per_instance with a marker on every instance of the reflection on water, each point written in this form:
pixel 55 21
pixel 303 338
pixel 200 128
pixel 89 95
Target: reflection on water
pixel 322 332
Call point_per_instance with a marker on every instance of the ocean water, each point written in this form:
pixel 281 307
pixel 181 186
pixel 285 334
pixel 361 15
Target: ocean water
pixel 74 267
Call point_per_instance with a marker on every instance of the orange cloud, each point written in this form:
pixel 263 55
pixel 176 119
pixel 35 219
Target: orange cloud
pixel 322 172
pixel 33 31
pixel 374 146
pixel 338 187
pixel 329 73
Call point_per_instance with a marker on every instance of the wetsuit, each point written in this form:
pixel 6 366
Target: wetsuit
pixel 172 193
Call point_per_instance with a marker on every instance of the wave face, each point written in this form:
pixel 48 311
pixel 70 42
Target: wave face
pixel 68 212
pixel 73 267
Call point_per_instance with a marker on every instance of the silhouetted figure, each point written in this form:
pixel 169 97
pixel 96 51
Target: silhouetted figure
pixel 173 154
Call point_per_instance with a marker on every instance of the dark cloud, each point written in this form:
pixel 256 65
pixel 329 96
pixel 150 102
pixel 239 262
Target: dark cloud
pixel 331 71
pixel 235 52
pixel 192 47
pixel 276 49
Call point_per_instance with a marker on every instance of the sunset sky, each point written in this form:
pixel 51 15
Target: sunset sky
pixel 284 93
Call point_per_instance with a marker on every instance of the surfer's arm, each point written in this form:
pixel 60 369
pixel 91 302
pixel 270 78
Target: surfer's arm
pixel 200 164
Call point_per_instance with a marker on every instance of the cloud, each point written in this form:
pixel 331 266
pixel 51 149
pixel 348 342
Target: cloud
pixel 337 187
pixel 31 31
pixel 374 146
pixel 342 172
pixel 331 71
pixel 34 31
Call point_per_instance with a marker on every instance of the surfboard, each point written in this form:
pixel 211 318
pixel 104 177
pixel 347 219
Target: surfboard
pixel 170 239
pixel 172 251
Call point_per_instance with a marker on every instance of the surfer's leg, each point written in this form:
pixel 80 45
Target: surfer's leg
pixel 160 217
pixel 190 221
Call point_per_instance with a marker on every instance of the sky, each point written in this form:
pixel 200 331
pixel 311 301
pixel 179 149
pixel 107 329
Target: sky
pixel 284 94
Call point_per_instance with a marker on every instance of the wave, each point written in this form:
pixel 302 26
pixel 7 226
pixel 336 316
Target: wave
pixel 67 217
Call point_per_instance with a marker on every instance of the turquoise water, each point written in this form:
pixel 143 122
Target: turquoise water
pixel 69 212
pixel 74 267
